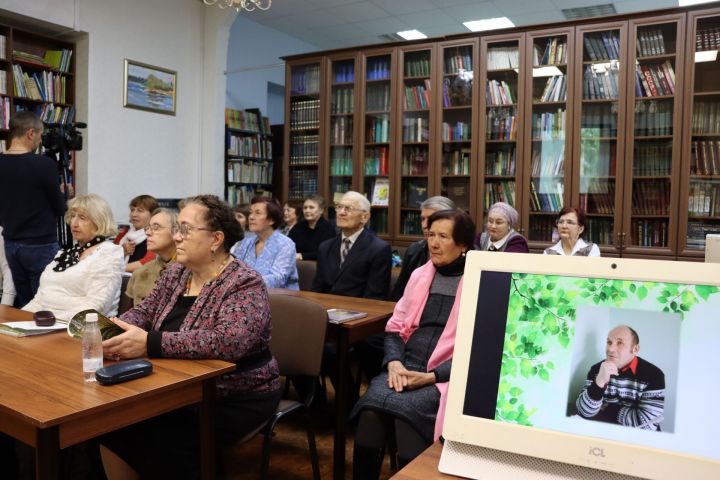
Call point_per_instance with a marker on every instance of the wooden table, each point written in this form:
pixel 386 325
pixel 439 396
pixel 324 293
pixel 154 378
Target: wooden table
pixel 344 335
pixel 424 467
pixel 45 403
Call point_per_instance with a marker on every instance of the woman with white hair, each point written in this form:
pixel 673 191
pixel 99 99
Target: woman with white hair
pixel 500 234
pixel 88 274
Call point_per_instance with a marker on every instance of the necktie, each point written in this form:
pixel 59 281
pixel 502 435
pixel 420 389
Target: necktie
pixel 345 250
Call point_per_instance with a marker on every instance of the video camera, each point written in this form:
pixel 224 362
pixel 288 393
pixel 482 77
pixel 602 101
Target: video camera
pixel 60 138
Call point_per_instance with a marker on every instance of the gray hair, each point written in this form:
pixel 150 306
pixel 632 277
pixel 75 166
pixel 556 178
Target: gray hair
pixel 171 214
pixel 438 202
pixel 510 214
pixel 359 198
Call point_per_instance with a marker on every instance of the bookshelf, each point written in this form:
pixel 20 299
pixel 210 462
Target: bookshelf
pixel 248 155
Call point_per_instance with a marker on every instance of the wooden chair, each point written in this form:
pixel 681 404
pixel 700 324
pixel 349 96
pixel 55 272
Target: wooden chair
pixel 306 273
pixel 126 303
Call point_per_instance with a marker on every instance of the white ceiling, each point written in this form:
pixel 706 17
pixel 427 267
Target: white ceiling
pixel 332 24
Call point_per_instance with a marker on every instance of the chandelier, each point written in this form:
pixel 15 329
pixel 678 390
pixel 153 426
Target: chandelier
pixel 247 5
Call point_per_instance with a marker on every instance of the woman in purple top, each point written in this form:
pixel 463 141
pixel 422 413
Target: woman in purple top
pixel 500 234
pixel 207 305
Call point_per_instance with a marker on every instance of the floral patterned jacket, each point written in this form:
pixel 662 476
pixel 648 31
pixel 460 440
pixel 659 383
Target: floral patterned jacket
pixel 230 320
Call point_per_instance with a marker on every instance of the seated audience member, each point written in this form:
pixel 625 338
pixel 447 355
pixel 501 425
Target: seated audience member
pixel 624 389
pixel 88 274
pixel 570 226
pixel 160 241
pixel 7 289
pixel 242 212
pixel 501 235
pixel 409 395
pixel 208 306
pixel 268 251
pixel 292 212
pixel 133 239
pixel 309 233
pixel 417 254
pixel 355 263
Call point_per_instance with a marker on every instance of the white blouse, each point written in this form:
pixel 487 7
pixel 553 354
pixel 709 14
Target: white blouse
pixel 94 282
pixel 594 251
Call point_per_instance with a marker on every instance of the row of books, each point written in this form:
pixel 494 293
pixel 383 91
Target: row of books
pixel 600 161
pixel 3 82
pixel 598 121
pixel 651 197
pixel 305 80
pixel 547 196
pixel 250 172
pixel 415 160
pixel 303 183
pixel 555 89
pixel 549 125
pixel 602 46
pixel 57 59
pixel 501 124
pixel 305 114
pixel 304 149
pixel 456 92
pixel 704 199
pixel 341 161
pixel 548 162
pixel 706 117
pixel 654 79
pixel 459 59
pixel 247 120
pixel 378 98
pixel 378 68
pixel 45 86
pixel 652 159
pixel 696 233
pixel 598 198
pixel 650 42
pixel 554 53
pixel 599 231
pixel 341 130
pixel 653 118
pixel 501 162
pixel 707 39
pixel 3 47
pixel 502 58
pixel 239 194
pixel 502 191
pixel 649 233
pixel 379 221
pixel 49 113
pixel 417 66
pixel 457 190
pixel 542 228
pixel 377 161
pixel 456 162
pixel 377 129
pixel 705 157
pixel 499 93
pixel 411 224
pixel 458 131
pixel 414 192
pixel 416 129
pixel 5 113
pixel 252 146
pixel 600 86
pixel 344 72
pixel 343 100
pixel 340 185
pixel 417 96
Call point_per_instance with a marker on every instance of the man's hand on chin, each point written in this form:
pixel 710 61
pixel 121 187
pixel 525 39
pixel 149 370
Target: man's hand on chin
pixel 607 369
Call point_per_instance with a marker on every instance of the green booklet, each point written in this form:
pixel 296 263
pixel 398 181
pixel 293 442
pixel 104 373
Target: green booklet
pixel 108 329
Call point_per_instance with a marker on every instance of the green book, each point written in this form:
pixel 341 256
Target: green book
pixel 108 329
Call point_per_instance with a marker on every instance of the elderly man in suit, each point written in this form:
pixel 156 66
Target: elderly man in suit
pixel 355 263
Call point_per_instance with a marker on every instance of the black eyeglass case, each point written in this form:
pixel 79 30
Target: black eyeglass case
pixel 123 371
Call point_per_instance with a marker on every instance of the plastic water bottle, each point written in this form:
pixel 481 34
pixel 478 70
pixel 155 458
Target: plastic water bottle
pixel 92 353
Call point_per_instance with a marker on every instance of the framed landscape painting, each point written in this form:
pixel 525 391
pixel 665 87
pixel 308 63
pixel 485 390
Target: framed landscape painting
pixel 149 88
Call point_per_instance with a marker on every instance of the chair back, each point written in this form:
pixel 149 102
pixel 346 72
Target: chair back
pixel 306 273
pixel 126 302
pixel 298 334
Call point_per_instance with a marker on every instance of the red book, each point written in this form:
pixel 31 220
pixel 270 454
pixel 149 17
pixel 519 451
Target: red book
pixel 383 161
pixel 649 79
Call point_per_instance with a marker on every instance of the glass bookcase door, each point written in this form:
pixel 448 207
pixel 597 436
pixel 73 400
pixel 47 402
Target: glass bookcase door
pixel 600 133
pixel 701 190
pixel 500 123
pixel 341 133
pixel 377 131
pixel 650 197
pixel 304 132
pixel 550 131
pixel 415 105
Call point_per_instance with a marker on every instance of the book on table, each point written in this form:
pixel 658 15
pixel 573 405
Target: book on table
pixel 28 328
pixel 341 315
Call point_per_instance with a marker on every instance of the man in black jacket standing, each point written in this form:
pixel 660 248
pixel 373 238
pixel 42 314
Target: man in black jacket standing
pixel 30 202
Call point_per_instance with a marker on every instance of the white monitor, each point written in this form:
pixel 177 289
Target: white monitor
pixel 712 248
pixel 531 330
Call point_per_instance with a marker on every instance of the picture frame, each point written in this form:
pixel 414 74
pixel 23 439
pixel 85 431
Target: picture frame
pixel 150 88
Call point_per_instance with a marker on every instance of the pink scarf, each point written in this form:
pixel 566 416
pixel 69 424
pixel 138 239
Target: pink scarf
pixel 406 318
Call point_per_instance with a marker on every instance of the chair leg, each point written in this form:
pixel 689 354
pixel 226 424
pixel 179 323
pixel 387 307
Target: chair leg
pixel 312 446
pixel 265 462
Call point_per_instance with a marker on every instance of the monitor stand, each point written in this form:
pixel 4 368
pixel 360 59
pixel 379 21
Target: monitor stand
pixel 482 463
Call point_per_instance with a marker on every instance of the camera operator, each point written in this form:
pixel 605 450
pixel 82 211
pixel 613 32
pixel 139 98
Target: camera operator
pixel 30 202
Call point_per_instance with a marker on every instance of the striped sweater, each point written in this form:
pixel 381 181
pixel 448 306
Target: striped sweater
pixel 630 399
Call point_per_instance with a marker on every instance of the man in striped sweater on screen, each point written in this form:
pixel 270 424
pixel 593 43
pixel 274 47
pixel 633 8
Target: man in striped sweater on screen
pixel 624 389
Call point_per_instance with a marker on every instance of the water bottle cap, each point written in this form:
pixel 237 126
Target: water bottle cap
pixel 91 318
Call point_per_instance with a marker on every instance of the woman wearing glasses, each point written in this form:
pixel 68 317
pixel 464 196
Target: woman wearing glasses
pixel 160 241
pixel 570 226
pixel 206 306
pixel 500 234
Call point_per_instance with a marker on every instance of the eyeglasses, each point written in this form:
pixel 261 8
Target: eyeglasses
pixel 185 229
pixel 569 223
pixel 156 227
pixel 339 207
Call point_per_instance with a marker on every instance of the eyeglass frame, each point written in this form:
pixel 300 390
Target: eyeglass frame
pixel 565 221
pixel 339 207
pixel 156 227
pixel 179 227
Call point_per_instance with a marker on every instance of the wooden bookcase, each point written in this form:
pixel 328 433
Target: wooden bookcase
pixel 615 116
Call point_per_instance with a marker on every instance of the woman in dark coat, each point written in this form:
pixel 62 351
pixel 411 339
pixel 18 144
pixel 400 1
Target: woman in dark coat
pixel 313 230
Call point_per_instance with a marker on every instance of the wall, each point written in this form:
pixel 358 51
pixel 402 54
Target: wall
pixel 250 69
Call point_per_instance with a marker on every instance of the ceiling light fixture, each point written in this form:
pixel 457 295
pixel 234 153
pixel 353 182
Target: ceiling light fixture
pixel 247 5
pixel 489 24
pixel 412 35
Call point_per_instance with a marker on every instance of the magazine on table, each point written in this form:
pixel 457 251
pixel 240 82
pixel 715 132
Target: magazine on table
pixel 341 315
